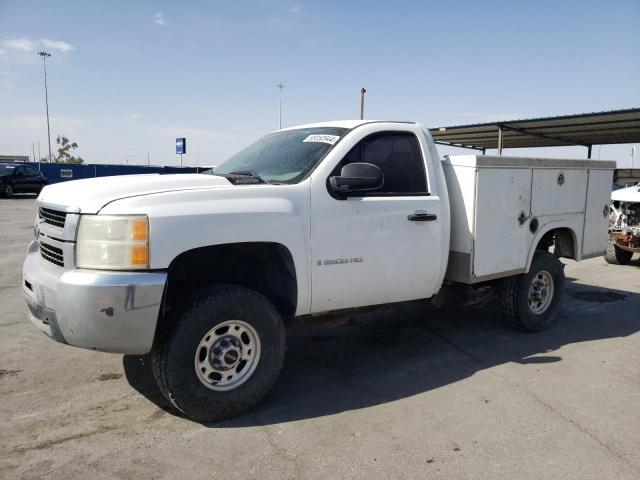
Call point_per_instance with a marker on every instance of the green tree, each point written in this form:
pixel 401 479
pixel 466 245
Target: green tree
pixel 64 151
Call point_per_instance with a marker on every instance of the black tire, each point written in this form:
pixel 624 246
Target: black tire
pixel 617 256
pixel 7 191
pixel 173 359
pixel 515 294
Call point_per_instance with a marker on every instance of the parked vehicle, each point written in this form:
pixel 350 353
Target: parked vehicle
pixel 16 178
pixel 204 272
pixel 624 226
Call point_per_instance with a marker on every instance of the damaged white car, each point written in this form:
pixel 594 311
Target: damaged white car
pixel 624 226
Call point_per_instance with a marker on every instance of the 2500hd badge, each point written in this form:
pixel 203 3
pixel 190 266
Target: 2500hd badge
pixel 340 261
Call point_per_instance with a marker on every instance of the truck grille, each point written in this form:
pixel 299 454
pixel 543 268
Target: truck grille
pixel 52 254
pixel 53 217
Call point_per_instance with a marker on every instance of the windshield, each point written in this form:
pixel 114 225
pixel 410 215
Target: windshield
pixel 283 157
pixel 6 169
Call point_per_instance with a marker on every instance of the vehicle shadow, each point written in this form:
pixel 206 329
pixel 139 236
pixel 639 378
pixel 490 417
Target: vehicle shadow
pixel 635 262
pixel 406 350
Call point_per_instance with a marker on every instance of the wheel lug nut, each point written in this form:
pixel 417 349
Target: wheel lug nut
pixel 216 351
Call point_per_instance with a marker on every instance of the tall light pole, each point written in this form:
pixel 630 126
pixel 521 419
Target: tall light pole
pixel 362 92
pixel 44 56
pixel 280 86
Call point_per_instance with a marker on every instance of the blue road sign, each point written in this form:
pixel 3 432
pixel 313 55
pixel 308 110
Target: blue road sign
pixel 181 146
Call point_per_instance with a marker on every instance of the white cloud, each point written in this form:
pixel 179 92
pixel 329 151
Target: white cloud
pixel 23 44
pixel 26 45
pixel 131 115
pixel 159 19
pixel 2 51
pixel 64 47
pixel 295 9
pixel 273 21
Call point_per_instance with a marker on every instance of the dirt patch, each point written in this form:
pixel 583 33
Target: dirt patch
pixel 598 296
pixel 4 372
pixel 109 376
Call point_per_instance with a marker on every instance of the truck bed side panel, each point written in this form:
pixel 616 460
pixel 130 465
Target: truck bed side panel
pixel 501 208
pixel 462 195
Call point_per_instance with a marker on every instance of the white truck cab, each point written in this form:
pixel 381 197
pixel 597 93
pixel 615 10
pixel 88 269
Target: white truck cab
pixel 204 271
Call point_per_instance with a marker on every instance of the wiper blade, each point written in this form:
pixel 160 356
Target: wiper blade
pixel 245 177
pixel 241 177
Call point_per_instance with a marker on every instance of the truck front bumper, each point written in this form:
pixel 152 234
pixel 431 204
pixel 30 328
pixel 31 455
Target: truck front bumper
pixel 99 310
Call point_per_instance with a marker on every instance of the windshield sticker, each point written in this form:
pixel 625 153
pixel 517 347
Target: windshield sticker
pixel 330 139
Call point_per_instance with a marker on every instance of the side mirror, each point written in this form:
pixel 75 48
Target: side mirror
pixel 357 177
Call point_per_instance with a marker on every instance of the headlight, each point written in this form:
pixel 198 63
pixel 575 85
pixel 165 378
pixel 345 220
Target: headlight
pixel 113 242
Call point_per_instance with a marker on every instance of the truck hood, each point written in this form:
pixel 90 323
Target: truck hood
pixel 90 195
pixel 629 194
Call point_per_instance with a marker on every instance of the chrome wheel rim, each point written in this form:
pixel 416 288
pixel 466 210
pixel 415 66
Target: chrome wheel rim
pixel 227 355
pixel 541 292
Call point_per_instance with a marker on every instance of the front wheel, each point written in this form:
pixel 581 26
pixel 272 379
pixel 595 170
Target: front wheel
pixel 530 302
pixel 223 354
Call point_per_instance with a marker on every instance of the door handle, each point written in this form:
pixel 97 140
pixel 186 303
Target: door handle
pixel 422 217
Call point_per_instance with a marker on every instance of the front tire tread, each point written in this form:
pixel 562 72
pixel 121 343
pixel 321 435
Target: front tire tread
pixel 174 353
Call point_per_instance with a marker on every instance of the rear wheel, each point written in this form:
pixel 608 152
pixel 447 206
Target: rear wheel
pixel 222 355
pixel 530 302
pixel 8 190
pixel 617 256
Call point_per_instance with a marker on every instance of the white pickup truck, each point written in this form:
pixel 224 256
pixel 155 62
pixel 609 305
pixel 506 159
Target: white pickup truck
pixel 204 272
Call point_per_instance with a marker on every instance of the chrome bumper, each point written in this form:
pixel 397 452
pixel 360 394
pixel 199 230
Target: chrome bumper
pixel 99 310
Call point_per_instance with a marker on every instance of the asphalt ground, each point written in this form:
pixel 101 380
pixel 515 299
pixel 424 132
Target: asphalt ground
pixel 405 392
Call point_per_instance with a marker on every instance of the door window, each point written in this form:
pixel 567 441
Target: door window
pixel 31 171
pixel 399 157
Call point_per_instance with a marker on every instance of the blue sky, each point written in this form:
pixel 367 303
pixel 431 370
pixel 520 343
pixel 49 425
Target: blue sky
pixel 126 78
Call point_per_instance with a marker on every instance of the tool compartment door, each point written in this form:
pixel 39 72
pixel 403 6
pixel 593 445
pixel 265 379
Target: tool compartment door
pixel 556 191
pixel 503 194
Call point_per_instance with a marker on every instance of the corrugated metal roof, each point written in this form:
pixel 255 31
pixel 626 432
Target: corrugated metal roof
pixel 598 128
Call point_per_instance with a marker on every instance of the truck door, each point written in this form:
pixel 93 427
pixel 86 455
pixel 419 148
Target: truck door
pixel 20 180
pixel 376 247
pixel 31 179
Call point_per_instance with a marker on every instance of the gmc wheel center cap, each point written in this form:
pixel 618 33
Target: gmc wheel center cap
pixel 230 357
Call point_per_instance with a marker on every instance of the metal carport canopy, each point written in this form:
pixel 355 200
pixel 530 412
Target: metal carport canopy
pixel 586 129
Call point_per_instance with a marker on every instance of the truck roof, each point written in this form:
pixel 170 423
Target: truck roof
pixel 340 124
